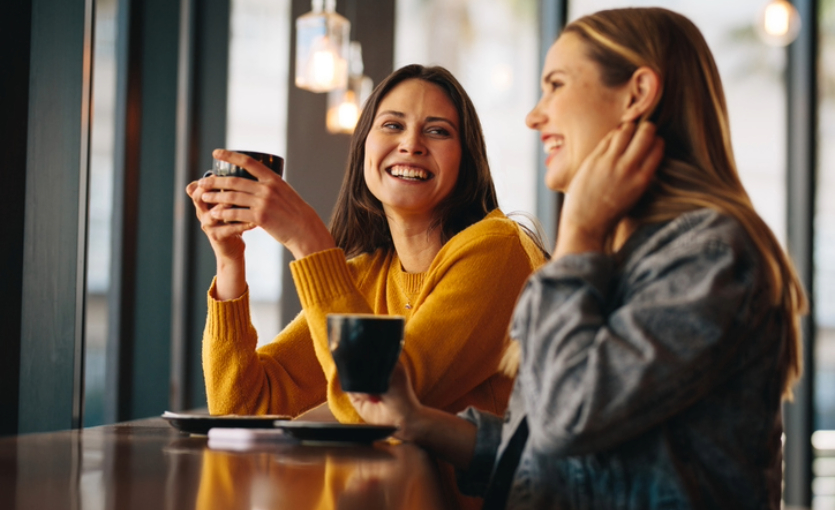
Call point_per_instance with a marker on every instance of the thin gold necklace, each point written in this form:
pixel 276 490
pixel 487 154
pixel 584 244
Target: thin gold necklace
pixel 397 272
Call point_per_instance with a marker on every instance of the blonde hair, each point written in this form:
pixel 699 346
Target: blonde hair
pixel 699 169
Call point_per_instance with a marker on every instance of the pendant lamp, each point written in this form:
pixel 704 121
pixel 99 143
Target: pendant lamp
pixel 345 104
pixel 322 38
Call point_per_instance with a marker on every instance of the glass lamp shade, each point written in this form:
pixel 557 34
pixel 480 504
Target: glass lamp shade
pixel 778 23
pixel 322 49
pixel 345 105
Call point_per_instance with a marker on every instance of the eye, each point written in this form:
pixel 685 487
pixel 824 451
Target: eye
pixel 439 131
pixel 553 85
pixel 391 124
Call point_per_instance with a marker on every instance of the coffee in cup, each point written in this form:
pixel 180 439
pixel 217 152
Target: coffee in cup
pixel 365 349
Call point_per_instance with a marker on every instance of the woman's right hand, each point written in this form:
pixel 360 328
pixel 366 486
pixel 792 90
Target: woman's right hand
pixel 226 238
pixel 227 243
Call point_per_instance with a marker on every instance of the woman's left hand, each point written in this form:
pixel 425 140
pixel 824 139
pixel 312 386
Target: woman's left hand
pixel 608 183
pixel 399 406
pixel 268 202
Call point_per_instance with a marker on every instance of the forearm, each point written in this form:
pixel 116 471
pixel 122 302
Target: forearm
pixel 446 435
pixel 280 378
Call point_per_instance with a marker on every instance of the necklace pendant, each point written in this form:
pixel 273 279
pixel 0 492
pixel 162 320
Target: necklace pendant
pixel 408 306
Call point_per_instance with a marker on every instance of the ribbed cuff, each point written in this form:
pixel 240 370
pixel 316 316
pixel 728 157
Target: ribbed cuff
pixel 320 276
pixel 227 317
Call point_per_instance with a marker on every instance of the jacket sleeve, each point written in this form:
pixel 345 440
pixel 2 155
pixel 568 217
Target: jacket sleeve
pixel 457 330
pixel 282 377
pixel 598 372
pixel 476 478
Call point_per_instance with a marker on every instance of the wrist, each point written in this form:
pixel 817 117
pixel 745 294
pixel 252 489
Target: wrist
pixel 575 239
pixel 415 427
pixel 231 278
pixel 310 246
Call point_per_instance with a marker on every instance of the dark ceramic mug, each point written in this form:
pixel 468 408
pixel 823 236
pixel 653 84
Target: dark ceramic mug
pixel 365 348
pixel 226 169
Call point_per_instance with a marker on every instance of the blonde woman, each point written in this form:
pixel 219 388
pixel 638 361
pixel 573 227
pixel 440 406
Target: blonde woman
pixel 655 349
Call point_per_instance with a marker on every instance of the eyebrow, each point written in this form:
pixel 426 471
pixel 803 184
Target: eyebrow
pixel 428 119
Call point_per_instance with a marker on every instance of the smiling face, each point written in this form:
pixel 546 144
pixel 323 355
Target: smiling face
pixel 576 109
pixel 413 151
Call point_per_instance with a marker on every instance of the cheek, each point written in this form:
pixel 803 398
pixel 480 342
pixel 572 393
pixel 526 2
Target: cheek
pixel 367 174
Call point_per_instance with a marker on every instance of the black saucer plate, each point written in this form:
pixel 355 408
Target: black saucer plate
pixel 326 432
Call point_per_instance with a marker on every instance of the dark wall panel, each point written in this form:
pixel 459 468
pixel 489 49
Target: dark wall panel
pixel 55 194
pixel 151 358
pixel 211 61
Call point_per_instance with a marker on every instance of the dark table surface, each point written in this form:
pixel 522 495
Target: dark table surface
pixel 147 464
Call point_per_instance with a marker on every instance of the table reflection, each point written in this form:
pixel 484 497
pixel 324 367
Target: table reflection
pixel 147 464
pixel 319 477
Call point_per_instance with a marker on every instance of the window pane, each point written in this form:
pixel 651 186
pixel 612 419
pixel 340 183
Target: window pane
pixel 824 283
pixel 492 48
pixel 101 207
pixel 259 49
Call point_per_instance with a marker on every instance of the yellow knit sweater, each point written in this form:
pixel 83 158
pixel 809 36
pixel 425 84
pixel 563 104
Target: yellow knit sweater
pixel 457 315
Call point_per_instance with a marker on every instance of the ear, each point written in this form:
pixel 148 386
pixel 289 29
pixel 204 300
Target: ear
pixel 643 91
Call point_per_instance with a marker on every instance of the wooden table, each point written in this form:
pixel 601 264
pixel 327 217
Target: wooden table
pixel 147 464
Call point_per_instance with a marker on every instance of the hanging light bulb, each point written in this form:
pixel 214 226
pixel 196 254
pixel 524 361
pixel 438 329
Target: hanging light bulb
pixel 778 23
pixel 345 105
pixel 322 38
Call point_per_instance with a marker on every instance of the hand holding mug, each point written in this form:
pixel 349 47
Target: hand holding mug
pixel 266 201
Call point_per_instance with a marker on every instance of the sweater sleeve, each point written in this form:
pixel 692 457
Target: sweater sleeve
pixel 456 332
pixel 282 377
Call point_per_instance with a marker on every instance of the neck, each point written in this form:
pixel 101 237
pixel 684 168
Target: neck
pixel 415 241
pixel 625 228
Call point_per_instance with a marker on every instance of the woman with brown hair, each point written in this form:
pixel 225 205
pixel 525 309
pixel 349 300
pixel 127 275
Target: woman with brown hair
pixel 654 350
pixel 416 232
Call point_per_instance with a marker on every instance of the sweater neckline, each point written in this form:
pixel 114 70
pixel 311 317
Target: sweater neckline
pixel 408 283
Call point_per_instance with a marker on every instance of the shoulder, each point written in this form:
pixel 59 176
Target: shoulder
pixel 496 222
pixel 702 229
pixel 495 233
pixel 699 237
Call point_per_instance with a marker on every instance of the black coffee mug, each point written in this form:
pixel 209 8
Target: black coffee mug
pixel 226 169
pixel 365 348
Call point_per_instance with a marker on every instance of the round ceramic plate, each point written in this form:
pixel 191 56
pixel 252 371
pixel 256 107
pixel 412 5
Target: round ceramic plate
pixel 201 423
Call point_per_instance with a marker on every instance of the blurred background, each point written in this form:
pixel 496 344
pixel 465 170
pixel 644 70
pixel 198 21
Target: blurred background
pixel 495 48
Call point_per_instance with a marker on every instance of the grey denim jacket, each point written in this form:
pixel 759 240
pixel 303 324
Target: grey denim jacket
pixel 649 380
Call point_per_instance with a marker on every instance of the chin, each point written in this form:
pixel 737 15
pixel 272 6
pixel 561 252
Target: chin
pixel 555 180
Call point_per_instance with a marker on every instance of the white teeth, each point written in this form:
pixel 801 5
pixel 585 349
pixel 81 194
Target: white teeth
pixel 408 172
pixel 552 144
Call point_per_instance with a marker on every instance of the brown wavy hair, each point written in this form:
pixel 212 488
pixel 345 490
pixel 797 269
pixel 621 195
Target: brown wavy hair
pixel 691 116
pixel 359 223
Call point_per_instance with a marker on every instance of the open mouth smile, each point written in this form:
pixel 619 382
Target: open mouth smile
pixel 552 144
pixel 409 173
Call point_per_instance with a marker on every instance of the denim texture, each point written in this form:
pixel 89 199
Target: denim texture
pixel 650 379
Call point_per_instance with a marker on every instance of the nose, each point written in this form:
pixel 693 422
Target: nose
pixel 411 142
pixel 536 117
